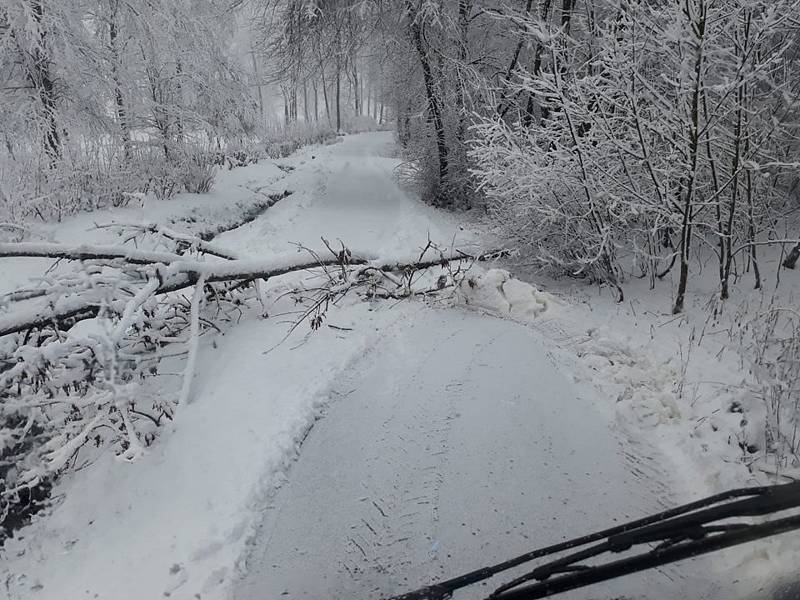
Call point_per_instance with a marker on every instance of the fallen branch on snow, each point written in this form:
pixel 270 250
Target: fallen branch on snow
pixel 68 390
pixel 82 252
pixel 180 273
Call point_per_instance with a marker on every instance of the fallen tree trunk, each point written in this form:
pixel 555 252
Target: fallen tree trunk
pixel 184 274
pixel 179 273
pixel 86 252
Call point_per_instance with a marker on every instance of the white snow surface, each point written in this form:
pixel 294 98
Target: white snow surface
pixel 496 291
pixel 445 438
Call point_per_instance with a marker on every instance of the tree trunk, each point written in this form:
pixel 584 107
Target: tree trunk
pixel 537 67
pixel 122 117
pixel 41 79
pixel 728 232
pixel 791 259
pixel 415 30
pixel 179 100
pixel 464 10
pixel 305 101
pixel 357 95
pixel 694 142
pixel 258 86
pixel 513 65
pixel 185 274
pixel 567 7
pixel 325 95
pixel 316 100
pixel 338 98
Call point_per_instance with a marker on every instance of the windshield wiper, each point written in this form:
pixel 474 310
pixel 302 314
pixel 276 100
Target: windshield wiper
pixel 679 533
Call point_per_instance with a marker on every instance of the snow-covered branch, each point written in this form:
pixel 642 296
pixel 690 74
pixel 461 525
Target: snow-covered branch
pixel 85 252
pixel 87 346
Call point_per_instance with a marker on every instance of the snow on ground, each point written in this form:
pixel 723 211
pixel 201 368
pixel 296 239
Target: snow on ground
pixel 347 193
pixel 233 193
pixel 458 444
pixel 175 522
pixel 545 424
pixel 496 291
pixel 679 383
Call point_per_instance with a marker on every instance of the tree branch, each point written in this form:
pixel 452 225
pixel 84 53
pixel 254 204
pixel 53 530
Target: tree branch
pixel 181 274
pixel 86 252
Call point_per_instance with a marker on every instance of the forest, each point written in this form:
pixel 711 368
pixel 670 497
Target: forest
pixel 623 173
pixel 606 141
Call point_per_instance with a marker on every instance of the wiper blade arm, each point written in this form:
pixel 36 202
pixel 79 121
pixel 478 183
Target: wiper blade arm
pixel 671 527
pixel 584 576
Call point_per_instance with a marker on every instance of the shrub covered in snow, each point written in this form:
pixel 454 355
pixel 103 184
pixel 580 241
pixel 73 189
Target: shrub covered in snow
pixel 281 140
pixel 769 346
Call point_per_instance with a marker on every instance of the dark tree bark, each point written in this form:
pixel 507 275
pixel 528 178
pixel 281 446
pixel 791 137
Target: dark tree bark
pixel 325 91
pixel 464 11
pixel 513 65
pixel 316 100
pixel 41 79
pixel 689 187
pixel 791 259
pixel 537 67
pixel 305 101
pixel 567 7
pixel 338 98
pixel 356 89
pixel 119 99
pixel 415 31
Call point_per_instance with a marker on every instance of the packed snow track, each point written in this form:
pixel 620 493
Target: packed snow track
pixel 454 442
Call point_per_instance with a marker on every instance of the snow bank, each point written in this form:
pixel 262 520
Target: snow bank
pixel 496 291
pixel 642 385
pixel 176 522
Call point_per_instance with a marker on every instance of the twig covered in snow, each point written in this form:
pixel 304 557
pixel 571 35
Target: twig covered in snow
pixel 183 241
pixel 194 335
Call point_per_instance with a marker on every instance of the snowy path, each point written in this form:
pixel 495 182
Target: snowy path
pixel 450 439
pixel 346 192
pixel 454 443
pixel 458 444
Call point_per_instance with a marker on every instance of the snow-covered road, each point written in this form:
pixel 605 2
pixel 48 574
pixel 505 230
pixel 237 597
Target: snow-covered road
pixel 457 443
pixel 429 441
pixel 348 192
pixel 454 442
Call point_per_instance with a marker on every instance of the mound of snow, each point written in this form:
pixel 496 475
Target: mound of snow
pixel 498 292
pixel 633 375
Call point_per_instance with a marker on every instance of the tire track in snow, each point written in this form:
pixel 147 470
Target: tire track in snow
pixel 460 445
pixel 406 516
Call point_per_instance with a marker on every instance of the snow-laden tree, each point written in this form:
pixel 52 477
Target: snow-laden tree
pixel 446 55
pixel 318 48
pixel 95 90
pixel 647 129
